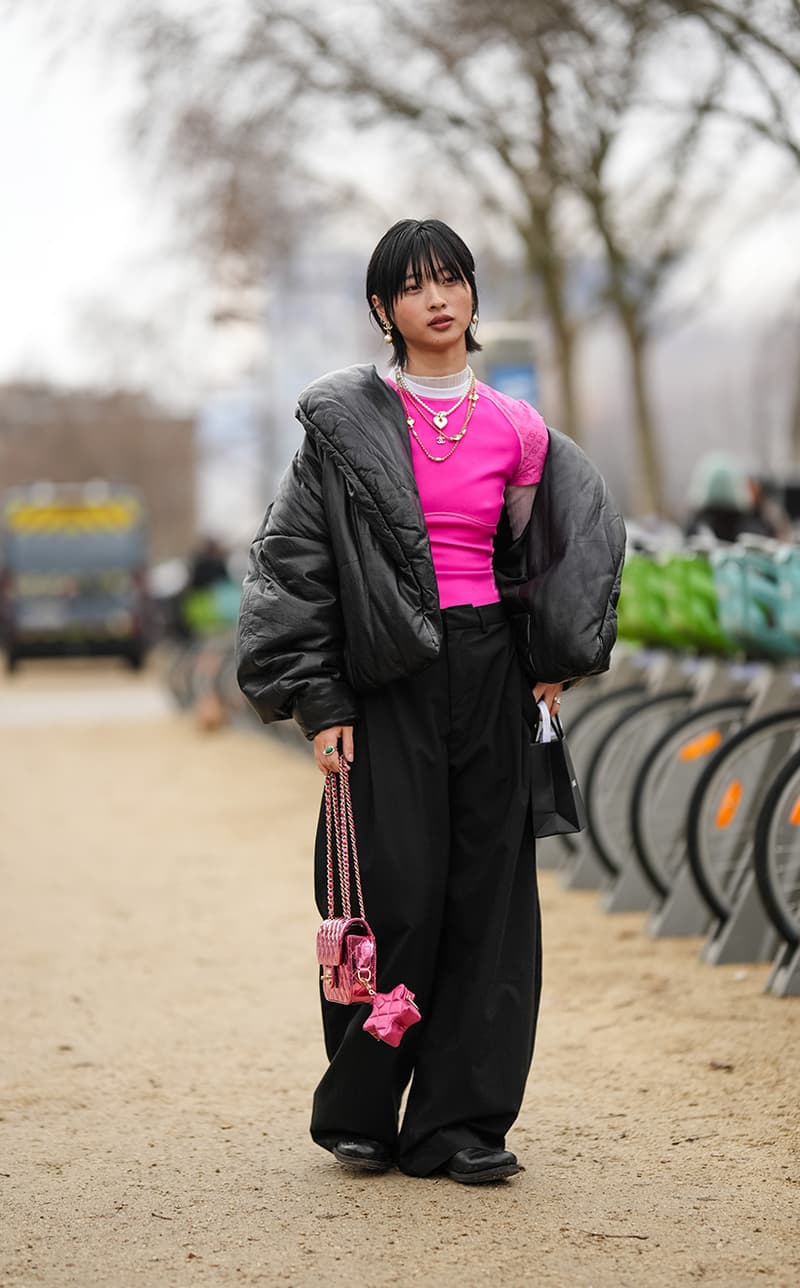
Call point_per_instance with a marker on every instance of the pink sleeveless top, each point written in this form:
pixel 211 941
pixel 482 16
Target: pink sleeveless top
pixel 462 498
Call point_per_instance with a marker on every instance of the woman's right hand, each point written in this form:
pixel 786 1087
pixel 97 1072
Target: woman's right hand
pixel 329 762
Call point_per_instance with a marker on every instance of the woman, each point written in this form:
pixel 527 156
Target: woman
pixel 406 604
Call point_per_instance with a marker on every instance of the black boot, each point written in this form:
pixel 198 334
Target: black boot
pixel 366 1155
pixel 475 1165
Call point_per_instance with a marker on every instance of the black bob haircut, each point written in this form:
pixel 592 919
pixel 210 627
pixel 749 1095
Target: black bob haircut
pixel 421 248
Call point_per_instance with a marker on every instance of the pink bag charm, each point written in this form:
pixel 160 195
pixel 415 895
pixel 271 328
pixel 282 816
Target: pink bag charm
pixel 346 948
pixel 392 1013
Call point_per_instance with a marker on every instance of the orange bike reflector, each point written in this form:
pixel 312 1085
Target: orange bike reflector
pixel 729 803
pixel 794 817
pixel 701 745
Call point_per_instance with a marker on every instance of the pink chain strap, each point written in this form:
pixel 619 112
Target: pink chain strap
pixel 339 824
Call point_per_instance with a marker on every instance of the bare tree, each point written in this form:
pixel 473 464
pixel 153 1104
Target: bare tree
pixel 527 109
pixel 744 64
pixel 228 116
pixel 534 103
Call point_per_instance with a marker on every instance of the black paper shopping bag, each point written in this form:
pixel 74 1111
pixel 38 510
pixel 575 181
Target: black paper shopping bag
pixel 556 802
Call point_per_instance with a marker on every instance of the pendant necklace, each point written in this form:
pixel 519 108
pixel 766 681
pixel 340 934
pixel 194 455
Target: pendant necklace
pixel 441 436
pixel 440 418
pixel 454 439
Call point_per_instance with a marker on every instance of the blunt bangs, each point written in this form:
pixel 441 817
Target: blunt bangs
pixel 417 248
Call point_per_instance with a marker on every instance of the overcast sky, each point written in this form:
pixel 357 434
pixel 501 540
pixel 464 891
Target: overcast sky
pixel 81 230
pixel 86 273
pixel 73 221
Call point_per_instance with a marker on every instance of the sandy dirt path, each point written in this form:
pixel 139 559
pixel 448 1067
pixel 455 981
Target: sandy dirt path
pixel 160 1043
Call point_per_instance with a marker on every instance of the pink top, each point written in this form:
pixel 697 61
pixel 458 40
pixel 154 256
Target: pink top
pixel 462 498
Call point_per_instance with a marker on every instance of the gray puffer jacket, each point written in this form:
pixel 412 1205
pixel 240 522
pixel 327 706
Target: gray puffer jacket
pixel 340 597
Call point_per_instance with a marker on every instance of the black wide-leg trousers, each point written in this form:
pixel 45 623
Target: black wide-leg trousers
pixel 440 787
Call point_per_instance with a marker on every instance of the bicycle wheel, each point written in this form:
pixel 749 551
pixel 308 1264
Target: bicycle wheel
pixel 614 769
pixel 721 821
pixel 776 856
pixel 664 785
pixel 588 729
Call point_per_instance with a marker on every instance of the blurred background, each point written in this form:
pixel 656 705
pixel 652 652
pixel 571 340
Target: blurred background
pixel 192 192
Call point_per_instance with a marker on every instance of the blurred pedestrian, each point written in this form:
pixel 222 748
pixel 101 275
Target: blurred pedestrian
pixel 406 603
pixel 207 564
pixel 723 500
pixel 209 609
pixel 769 508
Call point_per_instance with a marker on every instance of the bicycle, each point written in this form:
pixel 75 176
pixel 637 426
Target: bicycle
pixel 720 831
pixel 776 851
pixel 776 860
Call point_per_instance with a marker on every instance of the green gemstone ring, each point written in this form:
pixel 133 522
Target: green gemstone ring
pixel 327 751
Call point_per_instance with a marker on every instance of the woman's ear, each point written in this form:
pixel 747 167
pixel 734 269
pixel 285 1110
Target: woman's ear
pixel 379 309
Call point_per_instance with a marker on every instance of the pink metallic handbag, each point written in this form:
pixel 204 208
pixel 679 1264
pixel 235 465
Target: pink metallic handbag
pixel 346 949
pixel 346 953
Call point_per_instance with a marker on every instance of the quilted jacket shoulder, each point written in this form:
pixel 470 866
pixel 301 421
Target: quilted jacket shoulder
pixel 340 595
pixel 561 577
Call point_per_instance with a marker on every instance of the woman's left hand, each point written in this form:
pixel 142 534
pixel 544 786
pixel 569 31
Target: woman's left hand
pixel 549 693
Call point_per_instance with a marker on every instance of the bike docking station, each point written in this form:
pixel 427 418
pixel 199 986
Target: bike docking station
pixel 684 912
pixel 784 979
pixel 688 756
pixel 747 934
pixel 704 681
pixel 601 703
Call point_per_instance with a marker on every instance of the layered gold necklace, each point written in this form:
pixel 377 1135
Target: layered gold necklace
pixel 440 417
pixel 436 420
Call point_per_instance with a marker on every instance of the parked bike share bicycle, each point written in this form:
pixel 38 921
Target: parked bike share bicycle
pixel 678 749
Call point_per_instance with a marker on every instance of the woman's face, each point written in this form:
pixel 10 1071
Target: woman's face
pixel 432 315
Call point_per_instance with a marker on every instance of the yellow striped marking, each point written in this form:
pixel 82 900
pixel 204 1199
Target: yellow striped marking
pixel 70 517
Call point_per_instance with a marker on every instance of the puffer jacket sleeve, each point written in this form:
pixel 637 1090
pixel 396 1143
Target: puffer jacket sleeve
pixel 289 650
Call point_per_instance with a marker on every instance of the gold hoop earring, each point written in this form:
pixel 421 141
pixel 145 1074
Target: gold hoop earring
pixel 387 331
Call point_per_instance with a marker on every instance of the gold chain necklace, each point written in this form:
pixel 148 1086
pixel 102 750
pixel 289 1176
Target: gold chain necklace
pixel 440 418
pixel 455 440
pixel 442 437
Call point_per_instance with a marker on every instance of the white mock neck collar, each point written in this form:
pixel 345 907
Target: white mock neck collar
pixel 439 386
